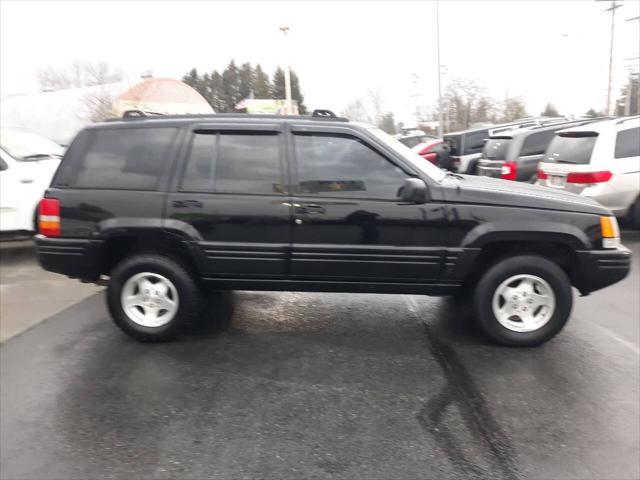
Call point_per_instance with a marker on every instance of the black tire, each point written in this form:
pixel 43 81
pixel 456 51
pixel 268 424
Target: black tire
pixel 503 270
pixel 633 216
pixel 189 293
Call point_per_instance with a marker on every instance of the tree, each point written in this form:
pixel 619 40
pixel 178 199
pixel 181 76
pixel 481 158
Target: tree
pixel 231 86
pixel 550 111
pixel 388 124
pixel 377 104
pixel 356 111
pixel 99 104
pixel 247 79
pixel 513 109
pixel 629 101
pixel 467 103
pixel 591 113
pixel 261 83
pixel 80 73
pixel 279 88
pixel 217 94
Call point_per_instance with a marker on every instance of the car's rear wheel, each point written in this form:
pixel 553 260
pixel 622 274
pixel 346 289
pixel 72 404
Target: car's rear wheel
pixel 523 300
pixel 152 298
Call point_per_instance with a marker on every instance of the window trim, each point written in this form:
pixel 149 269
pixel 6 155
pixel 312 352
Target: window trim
pixel 336 132
pixel 239 129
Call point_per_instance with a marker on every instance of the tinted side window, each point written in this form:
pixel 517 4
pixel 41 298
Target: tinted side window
pixel 343 166
pixel 233 162
pixel 628 143
pixel 536 143
pixel 474 142
pixel 123 158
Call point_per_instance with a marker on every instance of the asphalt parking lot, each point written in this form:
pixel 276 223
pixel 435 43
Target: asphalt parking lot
pixel 292 385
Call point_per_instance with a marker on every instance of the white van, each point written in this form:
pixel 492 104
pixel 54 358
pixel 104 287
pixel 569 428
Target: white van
pixel 599 160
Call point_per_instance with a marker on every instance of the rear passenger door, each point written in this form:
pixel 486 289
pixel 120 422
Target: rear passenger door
pixel 350 224
pixel 230 193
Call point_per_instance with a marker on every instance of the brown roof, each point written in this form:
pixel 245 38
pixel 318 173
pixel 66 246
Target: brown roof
pixel 162 90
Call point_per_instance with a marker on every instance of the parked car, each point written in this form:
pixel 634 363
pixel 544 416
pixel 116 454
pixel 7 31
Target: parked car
pixel 515 154
pixel 414 137
pixel 27 164
pixel 430 150
pixel 600 161
pixel 166 207
pixel 466 146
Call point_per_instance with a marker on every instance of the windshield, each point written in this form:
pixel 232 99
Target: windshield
pixel 565 149
pixel 415 159
pixel 496 149
pixel 23 144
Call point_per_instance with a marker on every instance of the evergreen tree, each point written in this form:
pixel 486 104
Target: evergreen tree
pixel 231 86
pixel 217 94
pixel 194 81
pixel 261 84
pixel 550 111
pixel 279 90
pixel 247 80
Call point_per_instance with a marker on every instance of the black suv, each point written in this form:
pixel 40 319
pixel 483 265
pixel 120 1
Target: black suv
pixel 168 207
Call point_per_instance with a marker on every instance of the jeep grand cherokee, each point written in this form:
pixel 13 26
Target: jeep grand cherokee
pixel 168 207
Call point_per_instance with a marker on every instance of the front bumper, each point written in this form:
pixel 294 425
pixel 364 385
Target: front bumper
pixel 601 268
pixel 75 258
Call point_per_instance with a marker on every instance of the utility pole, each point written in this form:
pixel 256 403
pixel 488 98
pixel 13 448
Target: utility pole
pixel 287 73
pixel 614 6
pixel 440 130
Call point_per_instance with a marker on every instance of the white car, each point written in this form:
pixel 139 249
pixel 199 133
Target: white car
pixel 599 160
pixel 27 164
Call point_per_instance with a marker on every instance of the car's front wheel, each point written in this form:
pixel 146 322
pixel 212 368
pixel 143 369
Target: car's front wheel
pixel 523 300
pixel 152 298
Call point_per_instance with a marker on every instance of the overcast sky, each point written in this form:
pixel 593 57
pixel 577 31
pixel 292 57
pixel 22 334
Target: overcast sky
pixel 543 50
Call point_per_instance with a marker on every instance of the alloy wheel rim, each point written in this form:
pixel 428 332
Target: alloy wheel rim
pixel 149 299
pixel 524 303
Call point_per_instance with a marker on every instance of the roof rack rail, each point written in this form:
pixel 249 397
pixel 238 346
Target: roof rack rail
pixel 621 121
pixel 320 112
pixel 140 114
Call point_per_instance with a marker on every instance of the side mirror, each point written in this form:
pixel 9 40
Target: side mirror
pixel 414 190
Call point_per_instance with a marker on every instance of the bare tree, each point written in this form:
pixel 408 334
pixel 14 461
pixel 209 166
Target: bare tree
pixel 80 73
pixel 513 109
pixel 467 103
pixel 99 103
pixel 357 111
pixel 377 105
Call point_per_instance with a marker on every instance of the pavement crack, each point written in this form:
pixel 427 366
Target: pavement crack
pixel 460 390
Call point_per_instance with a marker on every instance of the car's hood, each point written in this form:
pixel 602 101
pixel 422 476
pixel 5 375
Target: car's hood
pixel 494 191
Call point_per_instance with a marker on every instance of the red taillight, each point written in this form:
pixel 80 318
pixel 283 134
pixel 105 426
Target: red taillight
pixel 509 171
pixel 589 177
pixel 49 217
pixel 542 175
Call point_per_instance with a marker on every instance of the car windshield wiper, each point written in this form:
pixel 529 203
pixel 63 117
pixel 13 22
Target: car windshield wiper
pixel 38 156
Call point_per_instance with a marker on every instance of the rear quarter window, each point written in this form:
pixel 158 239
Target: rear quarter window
pixel 117 158
pixel 628 143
